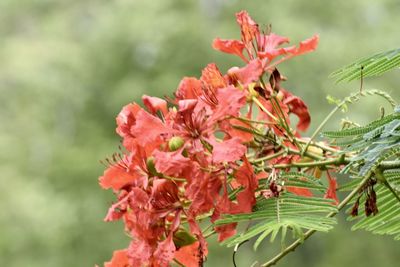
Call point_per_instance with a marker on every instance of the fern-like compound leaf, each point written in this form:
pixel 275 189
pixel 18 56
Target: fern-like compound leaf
pixel 369 66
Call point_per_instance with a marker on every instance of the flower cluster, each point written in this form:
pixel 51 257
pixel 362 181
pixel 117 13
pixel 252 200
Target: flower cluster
pixel 189 158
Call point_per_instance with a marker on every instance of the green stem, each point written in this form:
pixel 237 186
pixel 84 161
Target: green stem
pixel 307 154
pixel 283 121
pixel 335 161
pixel 253 121
pixel 319 145
pixel 280 153
pixel 309 233
pixel 247 130
pixel 381 178
pixel 319 128
pixel 261 106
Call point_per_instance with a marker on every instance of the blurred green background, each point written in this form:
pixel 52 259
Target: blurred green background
pixel 67 68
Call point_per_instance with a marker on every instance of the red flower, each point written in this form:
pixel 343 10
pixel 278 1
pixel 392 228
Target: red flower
pixel 181 162
pixel 267 45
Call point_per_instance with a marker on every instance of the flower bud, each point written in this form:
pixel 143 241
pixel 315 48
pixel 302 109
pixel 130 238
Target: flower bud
pixel 280 95
pixel 183 238
pixel 175 143
pixel 151 168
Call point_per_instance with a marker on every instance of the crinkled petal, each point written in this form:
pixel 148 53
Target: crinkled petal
pixel 331 192
pixel 269 45
pixel 189 255
pixel 212 77
pixel 189 88
pixel 119 259
pixel 116 177
pixel 227 127
pixel 248 26
pixel 127 118
pixel 155 104
pixel 170 163
pixel 248 74
pixel 228 151
pixel 298 107
pixel 148 128
pixel 139 253
pixel 165 252
pixel 234 47
pixel 305 46
pixel 230 101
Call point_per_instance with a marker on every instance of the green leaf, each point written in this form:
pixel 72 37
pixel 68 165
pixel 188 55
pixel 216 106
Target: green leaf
pixel 288 212
pixel 371 66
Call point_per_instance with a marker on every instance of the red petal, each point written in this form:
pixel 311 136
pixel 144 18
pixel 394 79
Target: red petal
pixel 212 77
pixel 165 252
pixel 197 191
pixel 148 128
pixel 139 253
pixel 331 192
pixel 224 206
pixel 117 210
pixel 164 195
pixel 246 177
pixel 305 46
pixel 119 259
pixel 126 119
pixel 247 25
pixel 230 46
pixel 187 105
pixel 248 74
pixel 155 104
pixel 188 88
pixel 226 126
pixel 171 163
pixel 115 177
pixel 299 191
pixel 230 101
pixel 269 45
pixel 298 107
pixel 228 151
pixel 189 255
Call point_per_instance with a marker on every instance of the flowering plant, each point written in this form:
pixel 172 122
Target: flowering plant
pixel 223 151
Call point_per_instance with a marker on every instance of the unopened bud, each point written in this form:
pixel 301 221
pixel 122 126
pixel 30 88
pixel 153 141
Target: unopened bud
pixel 175 143
pixel 151 168
pixel 280 95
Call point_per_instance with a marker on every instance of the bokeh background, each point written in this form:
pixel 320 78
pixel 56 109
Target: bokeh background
pixel 67 68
